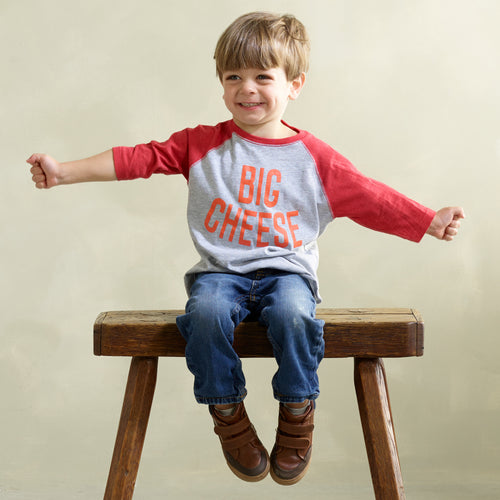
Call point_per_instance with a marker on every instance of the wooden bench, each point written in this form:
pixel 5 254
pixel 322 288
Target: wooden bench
pixel 367 335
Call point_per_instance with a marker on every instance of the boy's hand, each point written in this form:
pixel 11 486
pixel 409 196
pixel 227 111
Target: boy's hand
pixel 45 170
pixel 48 172
pixel 446 223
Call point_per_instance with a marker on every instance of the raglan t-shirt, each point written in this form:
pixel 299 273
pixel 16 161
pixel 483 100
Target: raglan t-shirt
pixel 257 203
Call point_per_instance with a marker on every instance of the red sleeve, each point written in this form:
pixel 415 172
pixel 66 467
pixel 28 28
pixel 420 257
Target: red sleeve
pixel 176 155
pixel 143 160
pixel 366 201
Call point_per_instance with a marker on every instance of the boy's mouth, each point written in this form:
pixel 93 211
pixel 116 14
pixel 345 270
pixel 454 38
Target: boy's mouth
pixel 250 104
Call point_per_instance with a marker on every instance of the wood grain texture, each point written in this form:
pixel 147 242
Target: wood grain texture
pixel 378 429
pixel 132 429
pixel 368 333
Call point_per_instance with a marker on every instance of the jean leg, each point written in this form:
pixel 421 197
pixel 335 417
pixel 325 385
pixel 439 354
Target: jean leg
pixel 212 313
pixel 288 311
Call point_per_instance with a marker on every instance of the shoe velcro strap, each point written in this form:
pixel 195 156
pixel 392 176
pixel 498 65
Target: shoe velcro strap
pixel 294 443
pixel 226 431
pixel 238 441
pixel 295 429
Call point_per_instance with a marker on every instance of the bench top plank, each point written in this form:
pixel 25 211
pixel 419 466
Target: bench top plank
pixel 392 332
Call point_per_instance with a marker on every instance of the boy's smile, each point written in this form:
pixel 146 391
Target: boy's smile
pixel 250 104
pixel 257 99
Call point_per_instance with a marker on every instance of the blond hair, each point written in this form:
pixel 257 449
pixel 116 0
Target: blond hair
pixel 263 40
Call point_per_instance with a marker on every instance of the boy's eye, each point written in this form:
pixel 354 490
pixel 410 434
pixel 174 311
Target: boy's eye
pixel 232 77
pixel 263 77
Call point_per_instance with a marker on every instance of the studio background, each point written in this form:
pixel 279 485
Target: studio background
pixel 408 91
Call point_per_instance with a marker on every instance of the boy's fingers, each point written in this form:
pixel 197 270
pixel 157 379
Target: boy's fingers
pixel 449 234
pixel 34 158
pixel 38 178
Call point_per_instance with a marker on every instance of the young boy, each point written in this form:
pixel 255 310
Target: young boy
pixel 260 194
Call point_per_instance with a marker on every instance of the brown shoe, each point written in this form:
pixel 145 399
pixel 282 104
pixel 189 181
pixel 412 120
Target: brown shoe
pixel 292 451
pixel 245 455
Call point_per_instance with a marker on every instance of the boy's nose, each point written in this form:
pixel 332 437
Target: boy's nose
pixel 248 87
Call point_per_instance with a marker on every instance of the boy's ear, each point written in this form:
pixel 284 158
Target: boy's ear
pixel 296 86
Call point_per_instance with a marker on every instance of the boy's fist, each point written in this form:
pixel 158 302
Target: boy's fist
pixel 446 223
pixel 44 170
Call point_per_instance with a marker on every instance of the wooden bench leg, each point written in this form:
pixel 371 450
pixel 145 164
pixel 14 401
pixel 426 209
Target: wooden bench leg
pixel 378 429
pixel 132 428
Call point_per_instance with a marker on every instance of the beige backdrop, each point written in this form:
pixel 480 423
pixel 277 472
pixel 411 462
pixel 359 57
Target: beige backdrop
pixel 408 90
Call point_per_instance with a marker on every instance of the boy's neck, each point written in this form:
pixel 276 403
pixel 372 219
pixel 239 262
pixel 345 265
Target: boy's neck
pixel 273 130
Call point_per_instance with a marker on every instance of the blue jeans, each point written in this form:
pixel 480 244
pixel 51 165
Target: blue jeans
pixel 281 301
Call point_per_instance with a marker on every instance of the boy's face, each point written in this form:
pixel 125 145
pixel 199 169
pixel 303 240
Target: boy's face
pixel 257 99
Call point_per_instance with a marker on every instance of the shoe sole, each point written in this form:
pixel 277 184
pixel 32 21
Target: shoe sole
pixel 251 479
pixel 291 481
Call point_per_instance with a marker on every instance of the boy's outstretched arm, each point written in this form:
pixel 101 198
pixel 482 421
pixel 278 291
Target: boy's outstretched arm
pixel 48 172
pixel 446 223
